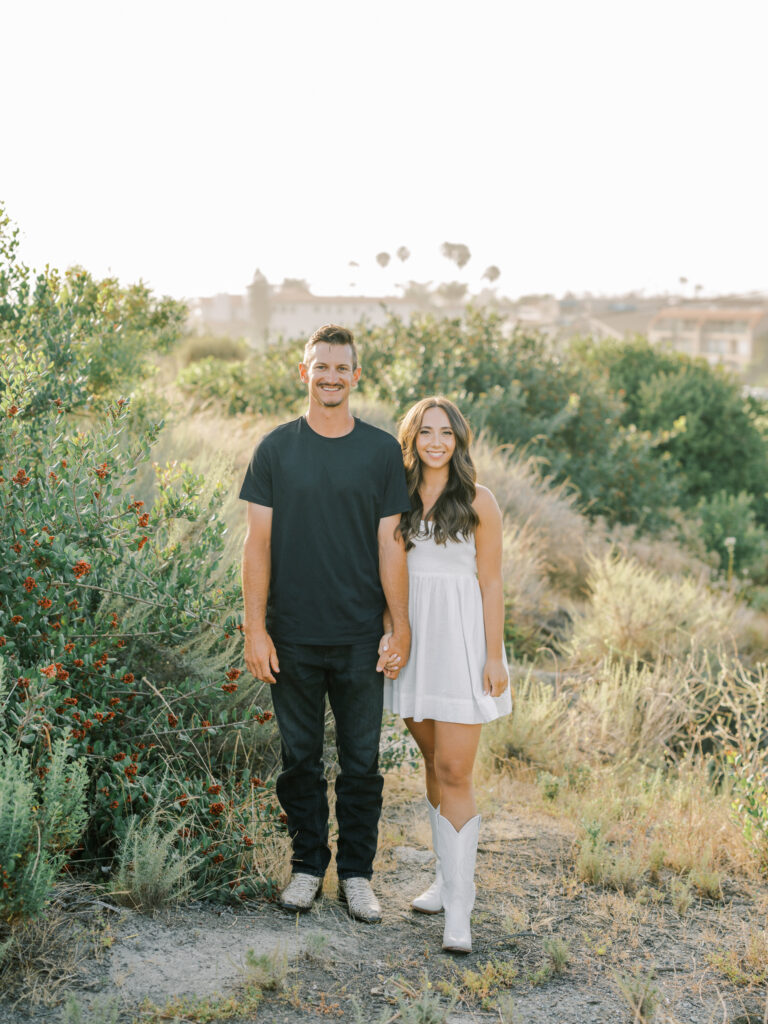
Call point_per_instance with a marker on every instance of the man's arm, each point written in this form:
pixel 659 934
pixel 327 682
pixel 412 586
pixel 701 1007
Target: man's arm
pixel 260 654
pixel 393 572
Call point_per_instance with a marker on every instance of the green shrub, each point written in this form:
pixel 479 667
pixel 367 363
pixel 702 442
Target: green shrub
pixel 721 447
pixel 103 599
pixel 625 366
pixel 266 383
pixel 42 815
pixel 729 527
pixel 151 869
pixel 93 337
pixel 518 391
pixel 749 778
pixel 203 346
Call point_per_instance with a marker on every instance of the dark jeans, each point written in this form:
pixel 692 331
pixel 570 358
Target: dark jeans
pixel 347 673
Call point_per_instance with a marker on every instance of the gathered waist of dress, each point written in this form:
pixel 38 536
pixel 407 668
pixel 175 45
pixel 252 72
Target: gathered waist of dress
pixel 468 574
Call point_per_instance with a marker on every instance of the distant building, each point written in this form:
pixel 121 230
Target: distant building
pixel 220 314
pixel 266 314
pixel 620 326
pixel 296 314
pixel 733 336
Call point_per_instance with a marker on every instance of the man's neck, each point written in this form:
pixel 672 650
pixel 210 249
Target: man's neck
pixel 334 422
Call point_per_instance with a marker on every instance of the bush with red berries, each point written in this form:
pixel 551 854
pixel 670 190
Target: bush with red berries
pixel 102 593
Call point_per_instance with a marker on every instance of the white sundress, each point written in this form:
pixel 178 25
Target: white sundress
pixel 443 678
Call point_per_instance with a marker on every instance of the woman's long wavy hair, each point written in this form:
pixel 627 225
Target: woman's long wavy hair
pixel 452 514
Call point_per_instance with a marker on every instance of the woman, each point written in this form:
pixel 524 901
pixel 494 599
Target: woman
pixel 456 677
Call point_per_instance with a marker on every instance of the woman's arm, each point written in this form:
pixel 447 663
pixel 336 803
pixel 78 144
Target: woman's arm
pixel 488 541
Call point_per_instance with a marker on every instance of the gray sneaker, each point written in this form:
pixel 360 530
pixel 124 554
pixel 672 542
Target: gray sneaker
pixel 301 892
pixel 360 899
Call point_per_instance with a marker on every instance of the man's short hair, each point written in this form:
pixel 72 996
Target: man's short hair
pixel 331 334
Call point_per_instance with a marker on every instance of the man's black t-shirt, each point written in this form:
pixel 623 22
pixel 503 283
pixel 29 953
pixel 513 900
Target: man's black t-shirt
pixel 327 495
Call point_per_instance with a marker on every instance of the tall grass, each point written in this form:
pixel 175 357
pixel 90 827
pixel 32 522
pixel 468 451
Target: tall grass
pixel 635 612
pixel 621 715
pixel 555 530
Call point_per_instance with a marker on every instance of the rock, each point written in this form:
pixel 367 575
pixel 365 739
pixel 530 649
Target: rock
pixel 410 855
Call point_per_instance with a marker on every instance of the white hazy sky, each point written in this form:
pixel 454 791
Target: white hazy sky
pixel 595 145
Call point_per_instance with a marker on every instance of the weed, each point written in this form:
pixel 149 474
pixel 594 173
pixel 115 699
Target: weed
pixel 426 1009
pixel 422 1005
pixel 640 993
pixel 515 919
pixel 505 1007
pixel 101 1011
pixel 590 863
pixel 596 865
pixel 203 1011
pixel 316 946
pixel 558 952
pixel 535 732
pixel 151 872
pixel 549 785
pixel 41 956
pixel 481 984
pixel 579 775
pixel 623 874
pixel 267 970
pixel 656 858
pixel 637 613
pixel 542 975
pixel 747 963
pixel 707 883
pixel 681 896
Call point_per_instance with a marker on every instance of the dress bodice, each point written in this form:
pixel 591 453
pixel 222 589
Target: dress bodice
pixel 454 558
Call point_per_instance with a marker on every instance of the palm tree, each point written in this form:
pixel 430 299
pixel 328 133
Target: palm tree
pixel 456 251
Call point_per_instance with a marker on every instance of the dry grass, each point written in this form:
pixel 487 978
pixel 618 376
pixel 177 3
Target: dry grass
pixel 636 613
pixel 604 711
pixel 631 710
pixel 678 551
pixel 677 820
pixel 746 961
pixel 203 346
pixel 546 511
pixel 40 958
pixel 536 730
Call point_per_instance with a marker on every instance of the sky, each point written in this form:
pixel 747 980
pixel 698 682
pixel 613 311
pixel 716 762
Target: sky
pixel 592 146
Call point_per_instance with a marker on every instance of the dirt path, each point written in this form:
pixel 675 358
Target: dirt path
pixel 529 901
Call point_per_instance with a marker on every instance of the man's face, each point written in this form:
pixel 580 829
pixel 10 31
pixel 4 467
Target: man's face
pixel 329 375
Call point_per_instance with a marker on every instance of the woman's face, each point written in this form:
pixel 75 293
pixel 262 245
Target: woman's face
pixel 435 441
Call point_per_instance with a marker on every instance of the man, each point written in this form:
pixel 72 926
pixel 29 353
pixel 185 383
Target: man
pixel 320 563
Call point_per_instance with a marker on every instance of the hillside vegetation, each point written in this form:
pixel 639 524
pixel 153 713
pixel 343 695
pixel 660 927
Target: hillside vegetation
pixel 632 484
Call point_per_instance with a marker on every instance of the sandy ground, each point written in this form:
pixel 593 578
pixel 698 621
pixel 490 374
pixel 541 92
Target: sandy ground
pixel 528 894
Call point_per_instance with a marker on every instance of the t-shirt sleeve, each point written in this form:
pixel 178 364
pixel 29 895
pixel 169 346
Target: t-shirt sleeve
pixel 394 494
pixel 257 485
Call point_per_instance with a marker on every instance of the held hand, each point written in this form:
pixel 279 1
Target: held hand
pixel 393 653
pixel 495 677
pixel 384 644
pixel 261 656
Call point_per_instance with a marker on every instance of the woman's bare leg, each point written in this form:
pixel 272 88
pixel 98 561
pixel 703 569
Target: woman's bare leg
pixel 454 749
pixel 424 734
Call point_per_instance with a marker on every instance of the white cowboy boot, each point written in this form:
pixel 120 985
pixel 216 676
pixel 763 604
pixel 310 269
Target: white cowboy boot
pixel 458 852
pixel 431 900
